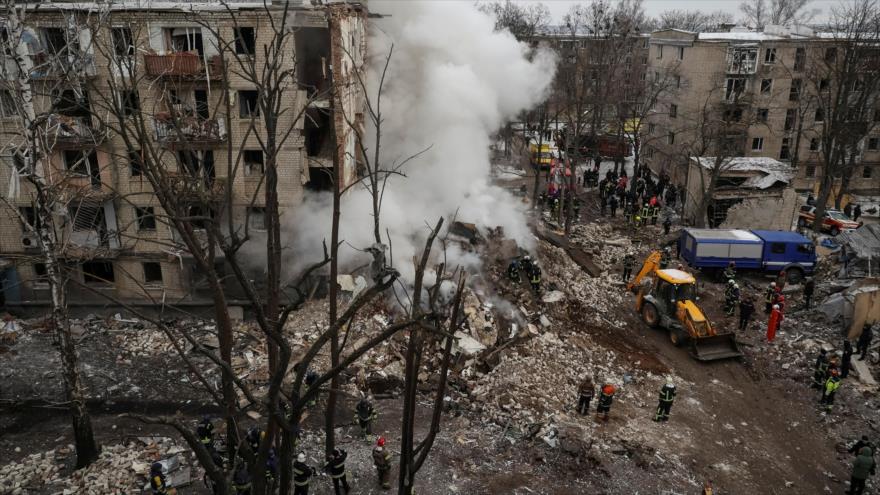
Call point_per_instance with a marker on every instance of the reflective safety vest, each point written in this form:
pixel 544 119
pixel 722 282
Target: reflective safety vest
pixel 336 466
pixel 157 484
pixel 667 394
pixel 832 385
pixel 301 473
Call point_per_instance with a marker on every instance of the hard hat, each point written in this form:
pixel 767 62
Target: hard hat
pixel 775 306
pixel 731 282
pixel 736 285
pixel 669 381
pixel 772 284
pixel 301 457
pixel 608 389
pixel 156 467
pixel 380 442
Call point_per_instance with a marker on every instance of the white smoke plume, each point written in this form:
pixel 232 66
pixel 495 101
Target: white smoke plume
pixel 451 83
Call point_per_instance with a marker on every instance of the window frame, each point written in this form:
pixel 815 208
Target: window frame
pixel 144 217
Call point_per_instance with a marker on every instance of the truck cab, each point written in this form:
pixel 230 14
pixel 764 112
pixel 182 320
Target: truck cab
pixel 788 251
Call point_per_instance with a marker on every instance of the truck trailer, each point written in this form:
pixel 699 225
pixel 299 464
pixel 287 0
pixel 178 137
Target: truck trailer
pixel 765 250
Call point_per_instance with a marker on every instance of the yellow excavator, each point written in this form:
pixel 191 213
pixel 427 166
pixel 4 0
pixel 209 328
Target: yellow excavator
pixel 669 302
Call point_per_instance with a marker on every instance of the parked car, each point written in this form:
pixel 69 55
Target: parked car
pixel 833 222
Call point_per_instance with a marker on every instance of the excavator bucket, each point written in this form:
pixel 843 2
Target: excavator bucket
pixel 715 347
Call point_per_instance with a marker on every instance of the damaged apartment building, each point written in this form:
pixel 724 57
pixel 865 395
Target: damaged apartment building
pixel 762 86
pixel 110 227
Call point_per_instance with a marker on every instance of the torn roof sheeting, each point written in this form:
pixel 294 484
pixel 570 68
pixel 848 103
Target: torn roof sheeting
pixel 762 172
pixel 864 242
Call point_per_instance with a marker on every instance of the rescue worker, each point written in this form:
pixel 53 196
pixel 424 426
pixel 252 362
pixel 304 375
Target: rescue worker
pixel 535 278
pixel 731 297
pixel 846 359
pixel 820 369
pixel 655 212
pixel 773 323
pixel 613 203
pixel 525 264
pixel 645 214
pixel 310 379
pixel 606 398
pixel 769 297
pixel 864 341
pixel 271 467
pixel 730 271
pixel 241 481
pixel 809 287
pixel 664 258
pixel 862 442
pixel 829 390
pixel 585 395
pixel 205 432
pixel 746 310
pixel 302 475
pixel 629 261
pixel 863 467
pixel 336 468
pixel 667 397
pixel 365 414
pixel 382 461
pixel 158 485
pixel 577 209
pixel 667 224
pixel 513 271
pixel 253 437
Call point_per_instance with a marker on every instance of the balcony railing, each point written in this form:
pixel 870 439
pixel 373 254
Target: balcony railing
pixel 183 65
pixel 74 132
pixel 190 130
pixel 188 186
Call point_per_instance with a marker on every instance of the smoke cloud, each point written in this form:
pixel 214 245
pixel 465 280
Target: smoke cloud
pixel 451 83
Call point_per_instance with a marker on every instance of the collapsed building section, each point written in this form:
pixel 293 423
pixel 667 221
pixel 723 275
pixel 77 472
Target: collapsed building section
pixel 749 193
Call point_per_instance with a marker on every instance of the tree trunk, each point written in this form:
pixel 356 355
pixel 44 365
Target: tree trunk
pixel 332 395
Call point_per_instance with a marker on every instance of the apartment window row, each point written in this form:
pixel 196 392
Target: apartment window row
pixel 99 272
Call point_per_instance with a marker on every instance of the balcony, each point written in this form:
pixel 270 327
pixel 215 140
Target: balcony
pixel 189 131
pixel 200 188
pixel 74 132
pixel 183 65
pixel 51 66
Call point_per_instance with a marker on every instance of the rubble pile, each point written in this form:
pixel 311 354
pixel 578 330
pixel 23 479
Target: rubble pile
pixel 120 469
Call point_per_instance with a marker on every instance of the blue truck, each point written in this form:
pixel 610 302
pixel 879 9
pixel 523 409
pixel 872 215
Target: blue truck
pixel 767 250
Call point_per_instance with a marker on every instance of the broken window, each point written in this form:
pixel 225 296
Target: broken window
pixel 87 217
pixel 130 102
pixel 316 130
pixel 253 162
pixel 28 215
pixel 256 216
pixel 197 163
pixel 766 86
pixel 762 114
pixel 248 103
pixel 245 41
pixel 790 118
pixel 830 54
pixel 867 172
pixel 7 104
pixel 146 218
pixel 98 272
pixel 785 151
pixel 770 55
pixel 823 84
pixel 733 114
pixel 123 42
pixel 320 179
pixel 135 163
pixel 814 144
pixel 800 58
pixel 185 39
pixel 313 55
pixel 72 103
pixel 734 88
pixel 810 171
pixel 794 94
pixel 820 115
pixel 873 144
pixel 54 40
pixel 152 272
pixel 199 216
pixel 757 144
pixel 78 163
pixel 41 273
pixel 742 60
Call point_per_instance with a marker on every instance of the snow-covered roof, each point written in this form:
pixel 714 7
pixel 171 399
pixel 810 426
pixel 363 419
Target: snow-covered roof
pixel 747 36
pixel 768 171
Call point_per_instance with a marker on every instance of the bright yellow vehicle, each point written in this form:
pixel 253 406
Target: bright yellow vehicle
pixel 669 302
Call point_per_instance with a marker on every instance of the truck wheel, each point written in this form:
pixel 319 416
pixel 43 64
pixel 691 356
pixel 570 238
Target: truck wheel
pixel 794 275
pixel 677 337
pixel 650 315
pixel 834 231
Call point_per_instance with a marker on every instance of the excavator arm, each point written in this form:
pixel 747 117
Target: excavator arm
pixel 652 262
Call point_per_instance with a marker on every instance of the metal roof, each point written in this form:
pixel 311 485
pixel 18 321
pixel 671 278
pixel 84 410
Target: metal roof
pixel 726 235
pixel 781 236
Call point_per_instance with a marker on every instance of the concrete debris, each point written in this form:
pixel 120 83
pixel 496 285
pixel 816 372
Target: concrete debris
pixel 120 470
pixel 553 296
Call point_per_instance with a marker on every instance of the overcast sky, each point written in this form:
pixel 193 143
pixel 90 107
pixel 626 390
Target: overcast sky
pixel 559 7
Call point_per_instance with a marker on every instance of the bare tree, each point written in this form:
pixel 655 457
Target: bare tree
pixel 524 21
pixel 842 79
pixel 693 20
pixel 51 191
pixel 760 13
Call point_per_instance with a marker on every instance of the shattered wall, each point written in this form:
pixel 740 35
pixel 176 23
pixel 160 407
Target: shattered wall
pixel 774 212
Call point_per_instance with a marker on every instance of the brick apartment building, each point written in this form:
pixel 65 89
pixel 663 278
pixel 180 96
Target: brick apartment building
pixel 761 78
pixel 112 238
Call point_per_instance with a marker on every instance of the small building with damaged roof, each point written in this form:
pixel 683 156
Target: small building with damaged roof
pixel 750 192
